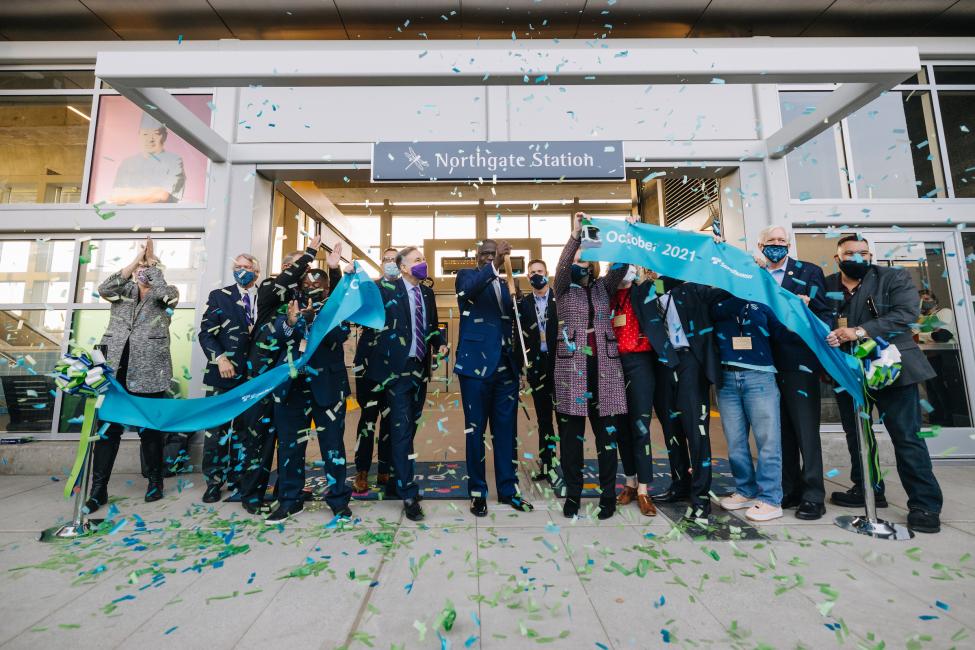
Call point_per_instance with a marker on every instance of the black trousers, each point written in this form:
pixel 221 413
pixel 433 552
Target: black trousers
pixel 544 412
pixel 257 436
pixel 634 428
pixel 802 451
pixel 151 441
pixel 219 452
pixel 372 402
pixel 901 414
pixel 405 395
pixel 682 400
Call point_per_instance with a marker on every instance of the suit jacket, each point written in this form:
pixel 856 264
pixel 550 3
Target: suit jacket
pixel 279 290
pixel 542 368
pixel 224 331
pixel 692 303
pixel 892 293
pixel 382 354
pixel 325 377
pixel 570 358
pixel 487 332
pixel 144 325
pixel 802 279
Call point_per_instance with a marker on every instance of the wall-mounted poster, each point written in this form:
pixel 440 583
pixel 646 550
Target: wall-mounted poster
pixel 138 160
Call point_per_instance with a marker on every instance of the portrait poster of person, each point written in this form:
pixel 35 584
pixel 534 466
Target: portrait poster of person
pixel 138 160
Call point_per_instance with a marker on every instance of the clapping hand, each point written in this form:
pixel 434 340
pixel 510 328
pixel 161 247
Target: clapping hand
pixel 292 313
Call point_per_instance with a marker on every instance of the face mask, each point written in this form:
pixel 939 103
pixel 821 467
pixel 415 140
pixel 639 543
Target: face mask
pixel 579 274
pixel 419 270
pixel 928 305
pixel 142 277
pixel 244 277
pixel 390 270
pixel 775 252
pixel 538 281
pixel 630 274
pixel 854 269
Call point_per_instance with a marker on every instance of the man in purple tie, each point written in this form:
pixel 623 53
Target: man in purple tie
pixel 399 359
pixel 225 336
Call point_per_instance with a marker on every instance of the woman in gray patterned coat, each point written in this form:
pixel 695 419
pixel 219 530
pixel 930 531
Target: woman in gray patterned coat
pixel 136 346
pixel 588 375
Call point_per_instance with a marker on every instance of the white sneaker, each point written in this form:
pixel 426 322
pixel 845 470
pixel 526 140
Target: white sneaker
pixel 736 502
pixel 762 511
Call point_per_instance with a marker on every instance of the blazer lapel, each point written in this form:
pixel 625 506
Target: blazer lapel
pixel 858 306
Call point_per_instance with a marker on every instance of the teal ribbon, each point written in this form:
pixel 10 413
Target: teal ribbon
pixel 698 258
pixel 356 298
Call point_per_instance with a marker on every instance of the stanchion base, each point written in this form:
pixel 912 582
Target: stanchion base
pixel 69 531
pixel 880 529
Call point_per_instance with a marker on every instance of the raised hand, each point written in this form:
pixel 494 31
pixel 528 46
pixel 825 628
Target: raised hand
pixel 292 313
pixel 316 242
pixel 335 257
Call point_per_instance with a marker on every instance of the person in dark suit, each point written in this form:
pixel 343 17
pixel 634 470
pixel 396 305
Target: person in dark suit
pixel 371 397
pixel 254 428
pixel 225 336
pixel 675 317
pixel 316 395
pixel 399 363
pixel 882 301
pixel 798 379
pixel 540 325
pixel 488 370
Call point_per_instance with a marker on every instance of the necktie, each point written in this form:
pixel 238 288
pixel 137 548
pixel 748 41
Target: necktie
pixel 247 309
pixel 497 293
pixel 419 327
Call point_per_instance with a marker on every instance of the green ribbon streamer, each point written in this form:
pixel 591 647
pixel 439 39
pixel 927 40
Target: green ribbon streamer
pixel 83 444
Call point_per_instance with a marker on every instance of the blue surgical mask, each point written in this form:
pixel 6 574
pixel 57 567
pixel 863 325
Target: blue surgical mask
pixel 775 252
pixel 244 277
pixel 390 270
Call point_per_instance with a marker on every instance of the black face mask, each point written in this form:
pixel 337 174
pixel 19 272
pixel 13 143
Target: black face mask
pixel 854 269
pixel 538 281
pixel 580 274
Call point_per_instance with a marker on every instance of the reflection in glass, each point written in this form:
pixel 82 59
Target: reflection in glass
pixel 814 169
pixel 895 148
pixel 180 257
pixel 957 111
pixel 954 74
pixel 42 148
pixel 47 79
pixel 30 346
pixel 35 271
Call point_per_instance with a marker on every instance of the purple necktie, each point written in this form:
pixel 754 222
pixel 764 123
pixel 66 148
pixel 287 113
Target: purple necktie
pixel 247 309
pixel 419 327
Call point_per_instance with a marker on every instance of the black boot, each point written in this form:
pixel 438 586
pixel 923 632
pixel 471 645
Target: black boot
pixel 102 461
pixel 152 450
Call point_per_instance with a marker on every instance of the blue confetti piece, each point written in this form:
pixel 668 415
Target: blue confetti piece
pixel 833 472
pixel 171 630
pixel 941 605
pixel 665 635
pixel 928 617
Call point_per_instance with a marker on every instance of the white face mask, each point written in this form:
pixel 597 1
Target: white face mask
pixel 630 274
pixel 390 269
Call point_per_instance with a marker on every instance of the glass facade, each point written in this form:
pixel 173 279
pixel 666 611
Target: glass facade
pixel 814 169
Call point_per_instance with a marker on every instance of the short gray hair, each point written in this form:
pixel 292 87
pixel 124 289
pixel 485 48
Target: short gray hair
pixel 253 260
pixel 764 233
pixel 400 256
pixel 290 258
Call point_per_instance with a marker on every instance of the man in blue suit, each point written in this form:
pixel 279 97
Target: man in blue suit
pixel 225 336
pixel 798 379
pixel 316 394
pixel 488 370
pixel 398 360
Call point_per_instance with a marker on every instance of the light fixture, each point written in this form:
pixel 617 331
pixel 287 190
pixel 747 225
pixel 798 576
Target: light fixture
pixel 77 112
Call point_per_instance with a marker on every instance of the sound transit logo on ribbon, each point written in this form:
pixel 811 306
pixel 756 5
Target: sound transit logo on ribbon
pixel 597 160
pixel 698 258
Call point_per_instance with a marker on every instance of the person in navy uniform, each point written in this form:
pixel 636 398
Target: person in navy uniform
pixel 489 376
pixel 225 336
pixel 399 362
pixel 540 323
pixel 798 379
pixel 317 394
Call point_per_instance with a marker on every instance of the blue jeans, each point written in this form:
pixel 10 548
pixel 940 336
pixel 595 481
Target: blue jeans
pixel 750 399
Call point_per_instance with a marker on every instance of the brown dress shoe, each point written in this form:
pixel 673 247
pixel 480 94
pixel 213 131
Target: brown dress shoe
pixel 647 509
pixel 382 479
pixel 627 495
pixel 361 482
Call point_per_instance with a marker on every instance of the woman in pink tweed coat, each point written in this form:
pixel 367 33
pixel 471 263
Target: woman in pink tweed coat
pixel 588 375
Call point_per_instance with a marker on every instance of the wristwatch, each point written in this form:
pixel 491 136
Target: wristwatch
pixel 860 332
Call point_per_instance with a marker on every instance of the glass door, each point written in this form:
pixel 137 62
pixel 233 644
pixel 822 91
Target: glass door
pixel 944 330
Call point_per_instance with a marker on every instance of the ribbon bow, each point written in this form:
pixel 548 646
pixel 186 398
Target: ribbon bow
pixel 82 372
pixel 881 362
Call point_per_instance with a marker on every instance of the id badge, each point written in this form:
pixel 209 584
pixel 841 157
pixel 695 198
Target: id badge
pixel 842 321
pixel 741 342
pixel 619 320
pixel 304 343
pixel 541 336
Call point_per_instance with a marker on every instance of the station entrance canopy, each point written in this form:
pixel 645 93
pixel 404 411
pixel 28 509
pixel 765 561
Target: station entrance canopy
pixel 862 73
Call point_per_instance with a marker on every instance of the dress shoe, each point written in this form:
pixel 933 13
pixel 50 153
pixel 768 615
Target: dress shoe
pixel 479 507
pixel 255 507
pixel 98 497
pixel 923 521
pixel 627 495
pixel 390 491
pixel 211 494
pixel 282 513
pixel 791 502
pixel 810 510
pixel 344 512
pixel 571 507
pixel 382 479
pixel 699 510
pixel 672 494
pixel 647 509
pixel 606 509
pixel 516 502
pixel 853 498
pixel 412 510
pixel 543 474
pixel 360 483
